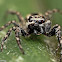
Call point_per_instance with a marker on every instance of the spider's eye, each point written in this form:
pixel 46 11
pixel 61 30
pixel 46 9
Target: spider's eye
pixel 41 21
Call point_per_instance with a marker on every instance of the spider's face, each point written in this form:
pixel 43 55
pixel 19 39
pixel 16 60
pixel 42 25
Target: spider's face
pixel 37 19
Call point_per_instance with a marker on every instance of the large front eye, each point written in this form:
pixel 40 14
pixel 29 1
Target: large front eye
pixel 40 21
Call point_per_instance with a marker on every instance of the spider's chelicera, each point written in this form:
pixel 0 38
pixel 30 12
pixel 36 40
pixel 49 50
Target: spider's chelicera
pixel 35 23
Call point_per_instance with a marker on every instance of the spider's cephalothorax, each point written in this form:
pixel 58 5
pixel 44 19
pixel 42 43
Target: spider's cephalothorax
pixel 37 18
pixel 36 24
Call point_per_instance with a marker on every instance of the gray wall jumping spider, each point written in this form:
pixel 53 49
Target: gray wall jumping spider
pixel 35 23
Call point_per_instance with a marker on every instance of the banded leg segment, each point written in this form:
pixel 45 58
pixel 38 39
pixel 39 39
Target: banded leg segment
pixel 6 36
pixel 50 12
pixel 56 30
pixel 61 49
pixel 19 41
pixel 21 19
pixel 6 25
pixel 16 35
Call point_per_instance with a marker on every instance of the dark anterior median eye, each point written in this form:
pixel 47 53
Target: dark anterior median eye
pixel 41 21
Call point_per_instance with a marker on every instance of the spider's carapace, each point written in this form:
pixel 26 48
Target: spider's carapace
pixel 37 18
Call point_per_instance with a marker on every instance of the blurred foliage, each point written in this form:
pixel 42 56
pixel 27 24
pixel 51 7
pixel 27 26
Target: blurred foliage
pixel 36 50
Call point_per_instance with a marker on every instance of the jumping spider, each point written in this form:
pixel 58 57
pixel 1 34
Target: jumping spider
pixel 35 23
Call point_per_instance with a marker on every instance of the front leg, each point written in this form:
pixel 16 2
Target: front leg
pixel 56 30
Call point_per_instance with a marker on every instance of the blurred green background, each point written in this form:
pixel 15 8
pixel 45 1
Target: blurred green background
pixel 35 47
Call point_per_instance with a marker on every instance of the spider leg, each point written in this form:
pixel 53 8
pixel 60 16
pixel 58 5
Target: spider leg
pixel 6 25
pixel 6 36
pixel 50 12
pixel 56 30
pixel 61 49
pixel 58 47
pixel 17 31
pixel 18 41
pixel 21 19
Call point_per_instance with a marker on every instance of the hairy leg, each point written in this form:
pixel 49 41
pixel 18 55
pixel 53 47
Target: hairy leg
pixel 6 36
pixel 21 19
pixel 6 25
pixel 17 38
pixel 56 30
pixel 50 12
pixel 18 41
